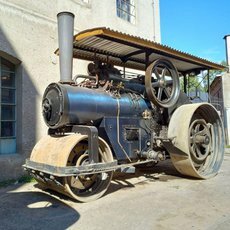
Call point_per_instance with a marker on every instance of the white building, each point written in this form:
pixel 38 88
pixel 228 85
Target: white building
pixel 28 39
pixel 226 90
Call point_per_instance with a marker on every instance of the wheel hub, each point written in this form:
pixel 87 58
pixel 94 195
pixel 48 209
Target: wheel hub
pixel 83 182
pixel 200 140
pixel 162 83
pixel 205 139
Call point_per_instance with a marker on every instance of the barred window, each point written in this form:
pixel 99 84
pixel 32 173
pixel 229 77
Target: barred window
pixel 126 10
pixel 7 107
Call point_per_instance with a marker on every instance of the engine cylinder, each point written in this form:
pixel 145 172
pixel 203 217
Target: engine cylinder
pixel 65 105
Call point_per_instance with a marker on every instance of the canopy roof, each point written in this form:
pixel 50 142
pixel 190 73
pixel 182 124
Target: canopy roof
pixel 122 49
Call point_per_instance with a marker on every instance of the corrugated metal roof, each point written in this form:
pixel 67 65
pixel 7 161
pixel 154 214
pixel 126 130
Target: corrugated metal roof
pixel 134 52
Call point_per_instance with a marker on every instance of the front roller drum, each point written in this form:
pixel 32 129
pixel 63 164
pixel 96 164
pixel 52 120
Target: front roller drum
pixel 72 150
pixel 196 131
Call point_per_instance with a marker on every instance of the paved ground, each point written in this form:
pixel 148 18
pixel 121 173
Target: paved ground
pixel 156 199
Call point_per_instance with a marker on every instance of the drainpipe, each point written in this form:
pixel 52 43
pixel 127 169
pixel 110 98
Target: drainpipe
pixel 227 45
pixel 226 88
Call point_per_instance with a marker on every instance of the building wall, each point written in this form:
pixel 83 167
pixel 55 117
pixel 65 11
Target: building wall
pixel 28 38
pixel 226 97
pixel 220 98
pixel 216 95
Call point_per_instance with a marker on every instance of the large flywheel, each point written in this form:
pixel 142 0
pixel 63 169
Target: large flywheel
pixel 197 133
pixel 162 83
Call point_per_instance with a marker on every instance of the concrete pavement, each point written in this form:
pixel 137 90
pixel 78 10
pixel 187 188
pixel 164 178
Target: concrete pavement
pixel 152 199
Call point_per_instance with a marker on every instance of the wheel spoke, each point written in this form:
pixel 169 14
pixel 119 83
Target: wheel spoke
pixel 193 148
pixel 204 145
pixel 202 132
pixel 159 93
pixel 192 132
pixel 157 74
pixel 103 155
pixel 163 73
pixel 198 151
pixel 167 93
pixel 197 128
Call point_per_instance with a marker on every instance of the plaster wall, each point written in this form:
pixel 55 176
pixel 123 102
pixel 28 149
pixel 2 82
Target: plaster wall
pixel 226 97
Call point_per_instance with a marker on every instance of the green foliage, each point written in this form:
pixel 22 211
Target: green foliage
pixel 22 179
pixel 200 83
pixel 194 83
pixel 212 75
pixel 26 179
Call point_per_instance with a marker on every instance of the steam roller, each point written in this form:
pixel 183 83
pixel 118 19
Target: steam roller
pixel 107 120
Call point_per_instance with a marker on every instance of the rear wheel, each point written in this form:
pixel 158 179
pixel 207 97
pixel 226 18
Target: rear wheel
pixel 197 133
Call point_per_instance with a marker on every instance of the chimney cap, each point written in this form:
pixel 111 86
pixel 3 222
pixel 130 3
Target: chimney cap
pixel 65 12
pixel 226 36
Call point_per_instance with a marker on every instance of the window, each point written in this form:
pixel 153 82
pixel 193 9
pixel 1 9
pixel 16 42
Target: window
pixel 7 107
pixel 126 10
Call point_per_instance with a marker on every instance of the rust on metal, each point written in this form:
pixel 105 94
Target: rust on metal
pixel 124 49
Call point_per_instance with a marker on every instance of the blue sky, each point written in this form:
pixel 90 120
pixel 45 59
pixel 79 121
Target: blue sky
pixel 196 26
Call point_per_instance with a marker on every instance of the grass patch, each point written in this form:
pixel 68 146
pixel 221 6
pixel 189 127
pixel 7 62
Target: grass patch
pixel 26 179
pixel 22 179
pixel 227 146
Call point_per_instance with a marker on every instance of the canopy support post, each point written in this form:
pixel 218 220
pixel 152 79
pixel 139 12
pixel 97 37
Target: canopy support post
pixel 147 54
pixel 208 82
pixel 185 83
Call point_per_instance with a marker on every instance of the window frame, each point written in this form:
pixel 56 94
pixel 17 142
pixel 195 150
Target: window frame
pixel 127 15
pixel 14 104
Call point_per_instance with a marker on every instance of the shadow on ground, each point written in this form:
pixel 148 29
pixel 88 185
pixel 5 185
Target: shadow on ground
pixel 35 210
pixel 162 172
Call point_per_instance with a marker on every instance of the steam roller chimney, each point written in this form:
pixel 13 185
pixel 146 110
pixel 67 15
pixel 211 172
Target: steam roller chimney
pixel 227 43
pixel 65 42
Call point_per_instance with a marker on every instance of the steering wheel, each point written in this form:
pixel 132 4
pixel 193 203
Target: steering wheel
pixel 162 83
